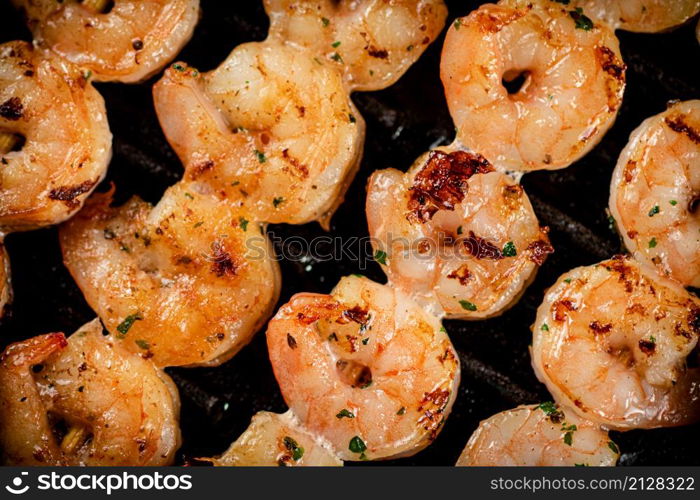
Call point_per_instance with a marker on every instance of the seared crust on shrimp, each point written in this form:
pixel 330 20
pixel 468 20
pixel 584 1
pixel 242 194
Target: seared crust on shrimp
pixel 572 83
pixel 655 193
pixel 274 439
pixel 538 435
pixel 270 126
pixel 128 43
pixel 364 368
pixel 61 118
pixel 374 42
pixel 84 401
pixel 617 343
pixel 457 235
pixel 187 282
pixel 644 16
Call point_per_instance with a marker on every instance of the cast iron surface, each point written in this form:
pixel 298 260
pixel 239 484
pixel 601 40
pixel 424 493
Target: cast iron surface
pixel 402 122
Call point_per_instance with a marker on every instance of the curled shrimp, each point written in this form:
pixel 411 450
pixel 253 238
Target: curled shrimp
pixel 84 401
pixel 187 282
pixel 456 234
pixel 55 142
pixel 274 439
pixel 566 83
pixel 365 369
pixel 538 435
pixel 122 40
pixel 375 41
pixel 655 193
pixel 274 124
pixel 644 16
pixel 617 344
pixel 5 279
pixel 270 126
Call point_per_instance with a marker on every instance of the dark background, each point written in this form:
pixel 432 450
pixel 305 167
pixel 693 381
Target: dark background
pixel 402 122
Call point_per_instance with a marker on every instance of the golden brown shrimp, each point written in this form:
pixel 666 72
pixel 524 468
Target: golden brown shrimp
pixel 364 368
pixel 48 104
pixel 617 343
pixel 272 439
pixel 274 124
pixel 374 41
pixel 572 78
pixel 655 193
pixel 84 401
pixel 270 126
pixel 5 279
pixel 121 40
pixel 457 235
pixel 644 16
pixel 538 435
pixel 187 282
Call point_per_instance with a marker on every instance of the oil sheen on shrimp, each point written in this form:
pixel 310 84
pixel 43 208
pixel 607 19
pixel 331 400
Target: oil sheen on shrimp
pixel 457 235
pixel 55 142
pixel 374 41
pixel 566 83
pixel 539 435
pixel 120 40
pixel 274 124
pixel 274 439
pixel 644 16
pixel 365 369
pixel 84 401
pixel 187 282
pixel 655 193
pixel 618 344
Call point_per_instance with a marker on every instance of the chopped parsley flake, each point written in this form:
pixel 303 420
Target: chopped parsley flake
pixel 652 243
pixel 325 21
pixel 345 413
pixel 457 23
pixel 261 156
pixel 467 305
pixel 655 210
pixel 673 202
pixel 459 230
pixel 124 327
pixel 335 45
pixel 509 250
pixel 243 223
pixel 357 445
pixel 293 446
pixel 178 67
pixel 544 327
pixel 365 340
pixel 352 118
pixel 143 344
pixel 401 411
pixel 380 256
pixel 277 201
pixel 613 447
pixel 336 57
pixel 583 22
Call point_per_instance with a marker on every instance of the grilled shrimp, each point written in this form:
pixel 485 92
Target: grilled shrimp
pixel 84 401
pixel 120 40
pixel 187 282
pixel 272 439
pixel 272 126
pixel 655 193
pixel 457 235
pixel 364 368
pixel 374 42
pixel 538 435
pixel 566 83
pixel 645 16
pixel 55 142
pixel 618 344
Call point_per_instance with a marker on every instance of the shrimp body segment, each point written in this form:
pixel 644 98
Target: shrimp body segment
pixel 643 16
pixel 84 401
pixel 48 104
pixel 270 126
pixel 655 193
pixel 458 235
pixel 365 369
pixel 567 75
pixel 615 342
pixel 187 282
pixel 5 279
pixel 271 440
pixel 538 435
pixel 374 42
pixel 129 43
